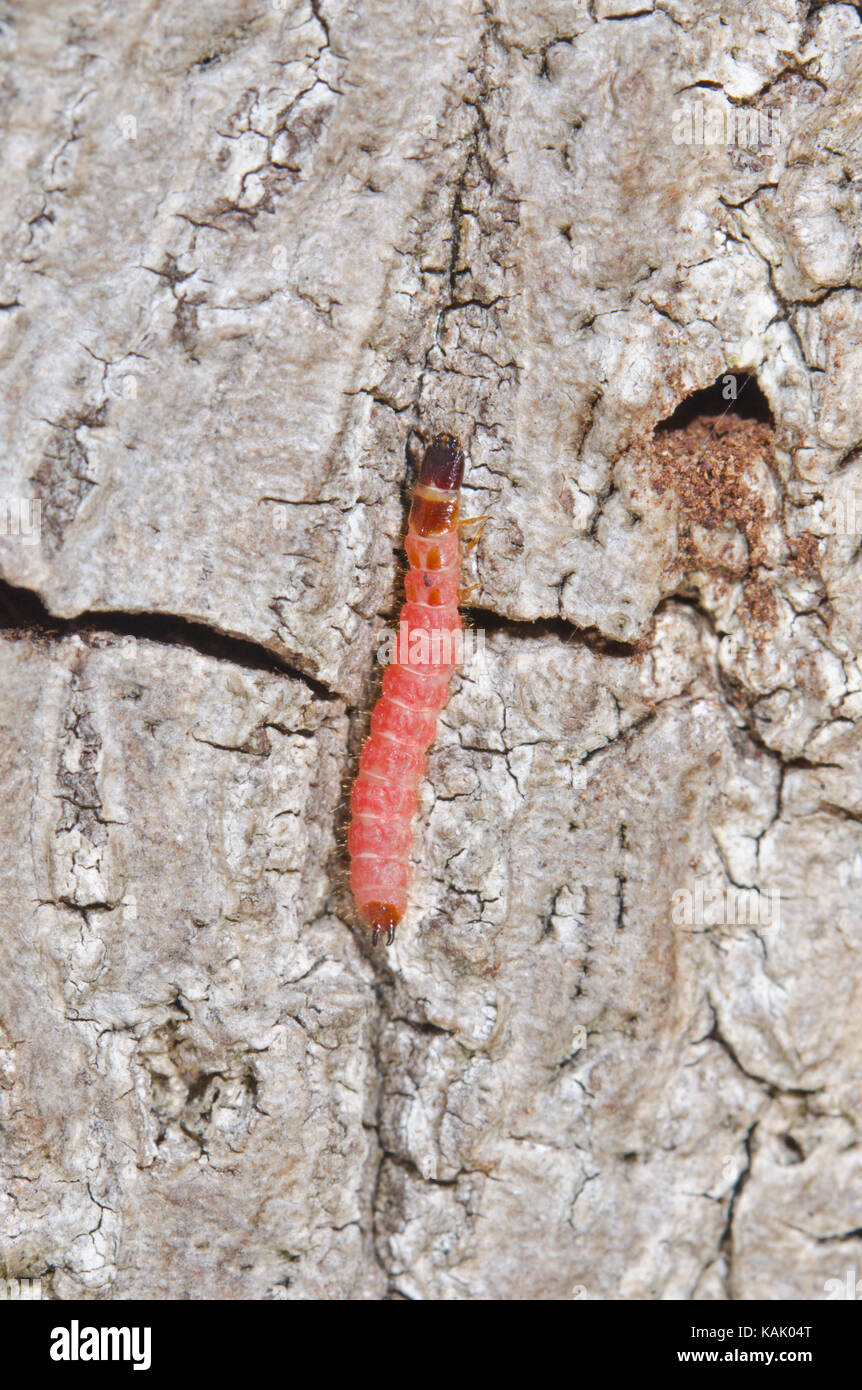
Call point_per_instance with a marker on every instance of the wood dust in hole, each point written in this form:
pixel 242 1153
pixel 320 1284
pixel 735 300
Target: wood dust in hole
pixel 711 466
pixel 715 467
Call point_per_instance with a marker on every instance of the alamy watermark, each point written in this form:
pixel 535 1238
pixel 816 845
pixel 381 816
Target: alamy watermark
pixel 842 512
pixel 22 517
pixel 741 127
pixel 704 906
pixel 430 648
pixel 849 1288
pixel 77 1343
pixel 20 1290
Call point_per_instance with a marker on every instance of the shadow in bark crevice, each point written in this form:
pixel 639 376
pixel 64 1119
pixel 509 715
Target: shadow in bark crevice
pixel 24 615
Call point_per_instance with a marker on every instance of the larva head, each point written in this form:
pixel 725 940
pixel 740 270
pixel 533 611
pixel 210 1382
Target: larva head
pixel 382 917
pixel 435 500
pixel 443 464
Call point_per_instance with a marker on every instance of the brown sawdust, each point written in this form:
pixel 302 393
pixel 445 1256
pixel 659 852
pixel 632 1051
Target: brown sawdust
pixel 711 467
pixel 806 554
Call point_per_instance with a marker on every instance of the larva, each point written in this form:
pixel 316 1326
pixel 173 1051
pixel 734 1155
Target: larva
pixel 415 689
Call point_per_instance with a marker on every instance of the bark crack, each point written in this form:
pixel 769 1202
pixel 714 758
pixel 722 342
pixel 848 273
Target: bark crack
pixel 24 615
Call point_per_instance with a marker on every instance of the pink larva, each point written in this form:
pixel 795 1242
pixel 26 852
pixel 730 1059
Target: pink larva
pixel 415 689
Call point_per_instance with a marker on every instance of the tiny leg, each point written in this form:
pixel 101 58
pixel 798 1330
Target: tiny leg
pixel 470 543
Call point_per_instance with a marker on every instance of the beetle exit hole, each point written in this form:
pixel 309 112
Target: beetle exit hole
pixel 713 464
pixel 735 394
pixel 713 460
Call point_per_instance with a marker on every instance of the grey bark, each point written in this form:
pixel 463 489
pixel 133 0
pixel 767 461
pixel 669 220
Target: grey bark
pixel 251 251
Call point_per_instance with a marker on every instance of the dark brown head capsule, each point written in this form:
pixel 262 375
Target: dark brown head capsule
pixel 435 498
pixel 443 464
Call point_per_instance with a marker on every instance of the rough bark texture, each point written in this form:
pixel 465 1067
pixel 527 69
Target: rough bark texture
pixel 250 251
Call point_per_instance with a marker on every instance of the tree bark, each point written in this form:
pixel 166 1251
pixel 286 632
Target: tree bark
pixel 253 252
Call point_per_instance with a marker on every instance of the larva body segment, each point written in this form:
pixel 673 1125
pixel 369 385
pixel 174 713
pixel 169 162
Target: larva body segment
pixel 415 689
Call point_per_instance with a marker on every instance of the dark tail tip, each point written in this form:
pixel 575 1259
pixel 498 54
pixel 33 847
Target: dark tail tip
pixel 443 463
